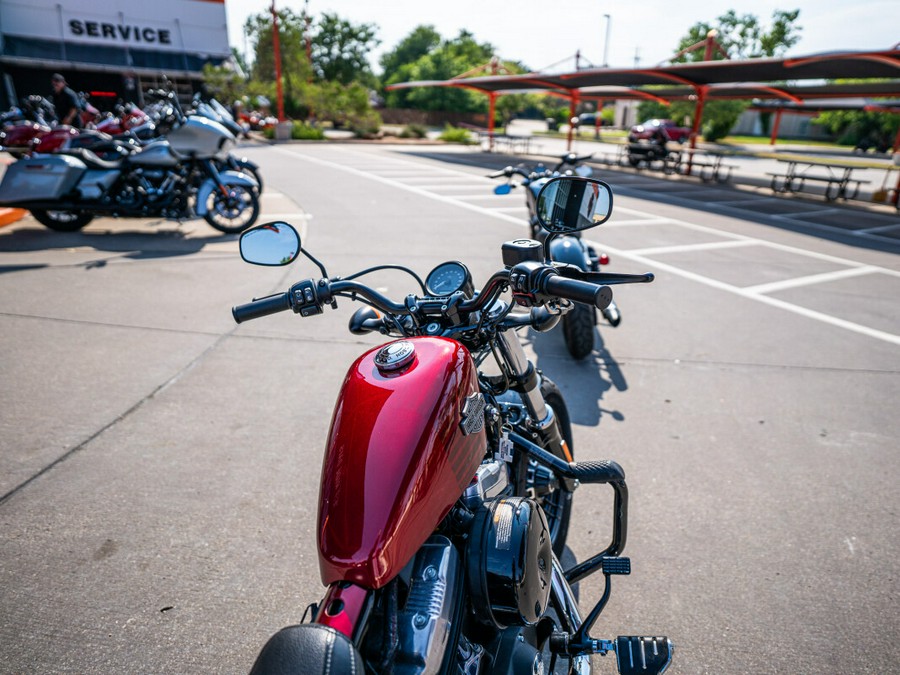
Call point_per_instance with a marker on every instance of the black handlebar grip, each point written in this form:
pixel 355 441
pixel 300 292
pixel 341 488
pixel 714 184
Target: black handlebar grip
pixel 261 307
pixel 579 291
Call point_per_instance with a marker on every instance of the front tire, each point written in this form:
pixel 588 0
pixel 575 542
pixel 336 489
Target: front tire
pixel 558 504
pixel 248 168
pixel 235 212
pixel 578 330
pixel 62 221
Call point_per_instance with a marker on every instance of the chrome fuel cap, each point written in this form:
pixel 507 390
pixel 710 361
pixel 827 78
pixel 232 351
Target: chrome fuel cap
pixel 395 356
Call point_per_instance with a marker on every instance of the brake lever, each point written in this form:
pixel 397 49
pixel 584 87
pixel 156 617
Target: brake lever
pixel 606 278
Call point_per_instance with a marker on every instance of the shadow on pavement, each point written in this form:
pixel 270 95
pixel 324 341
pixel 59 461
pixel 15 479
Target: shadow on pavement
pixel 583 383
pixel 832 221
pixel 166 241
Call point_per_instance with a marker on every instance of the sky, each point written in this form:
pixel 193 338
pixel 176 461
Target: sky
pixel 543 34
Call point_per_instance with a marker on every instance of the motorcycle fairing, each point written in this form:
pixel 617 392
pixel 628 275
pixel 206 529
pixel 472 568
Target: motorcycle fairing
pixel 397 460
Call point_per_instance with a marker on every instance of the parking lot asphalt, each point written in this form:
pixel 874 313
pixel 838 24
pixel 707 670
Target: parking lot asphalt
pixel 159 465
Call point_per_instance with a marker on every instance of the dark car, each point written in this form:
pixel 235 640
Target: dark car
pixel 651 128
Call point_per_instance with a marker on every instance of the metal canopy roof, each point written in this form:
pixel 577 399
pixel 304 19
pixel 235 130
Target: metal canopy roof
pixel 832 65
pixel 750 90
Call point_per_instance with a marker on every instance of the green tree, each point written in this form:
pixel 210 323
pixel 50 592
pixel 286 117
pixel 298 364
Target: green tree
pixel 295 67
pixel 340 50
pixel 421 41
pixel 450 59
pixel 860 127
pixel 334 87
pixel 742 37
pixel 224 83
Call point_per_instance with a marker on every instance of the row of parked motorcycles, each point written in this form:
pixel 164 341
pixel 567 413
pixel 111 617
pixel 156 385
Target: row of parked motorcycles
pixel 447 485
pixel 155 162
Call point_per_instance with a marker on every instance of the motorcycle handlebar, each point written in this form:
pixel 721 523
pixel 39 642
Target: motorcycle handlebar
pixel 508 172
pixel 578 291
pixel 308 298
pixel 572 159
pixel 261 307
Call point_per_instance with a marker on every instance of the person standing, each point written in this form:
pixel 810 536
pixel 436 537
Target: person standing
pixel 65 101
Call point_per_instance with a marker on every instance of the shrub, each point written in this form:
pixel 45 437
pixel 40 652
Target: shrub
pixel 453 134
pixel 414 131
pixel 365 125
pixel 302 131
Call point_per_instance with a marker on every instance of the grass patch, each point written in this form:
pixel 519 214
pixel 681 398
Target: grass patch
pixel 452 134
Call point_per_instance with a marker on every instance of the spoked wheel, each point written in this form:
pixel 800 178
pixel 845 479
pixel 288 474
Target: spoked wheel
pixel 555 501
pixel 234 212
pixel 62 221
pixel 578 330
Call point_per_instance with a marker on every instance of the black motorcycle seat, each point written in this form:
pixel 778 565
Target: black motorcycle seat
pixel 92 160
pixel 308 648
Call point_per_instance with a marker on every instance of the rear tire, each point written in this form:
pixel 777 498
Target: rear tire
pixel 578 330
pixel 62 221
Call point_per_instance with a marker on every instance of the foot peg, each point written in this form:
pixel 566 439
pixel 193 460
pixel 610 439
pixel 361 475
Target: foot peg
pixel 643 655
pixel 613 565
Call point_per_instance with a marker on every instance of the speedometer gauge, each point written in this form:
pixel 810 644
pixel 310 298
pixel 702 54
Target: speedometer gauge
pixel 448 278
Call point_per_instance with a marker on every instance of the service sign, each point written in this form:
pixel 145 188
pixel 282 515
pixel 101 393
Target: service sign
pixel 193 26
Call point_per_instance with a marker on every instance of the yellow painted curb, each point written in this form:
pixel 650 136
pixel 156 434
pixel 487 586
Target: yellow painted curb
pixel 8 216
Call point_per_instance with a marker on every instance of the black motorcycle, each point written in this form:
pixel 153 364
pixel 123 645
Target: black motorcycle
pixel 578 324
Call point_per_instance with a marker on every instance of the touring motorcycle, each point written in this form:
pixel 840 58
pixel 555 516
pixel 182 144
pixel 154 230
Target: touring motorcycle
pixel 173 177
pixel 447 483
pixel 579 323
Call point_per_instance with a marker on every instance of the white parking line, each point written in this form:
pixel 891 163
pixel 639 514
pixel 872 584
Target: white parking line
pixel 875 230
pixel 811 279
pixel 637 221
pixel 707 281
pixel 707 246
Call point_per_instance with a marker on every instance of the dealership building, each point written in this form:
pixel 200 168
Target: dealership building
pixel 111 49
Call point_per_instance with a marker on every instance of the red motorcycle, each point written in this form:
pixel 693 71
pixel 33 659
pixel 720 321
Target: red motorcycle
pixel 448 476
pixel 37 132
pixel 128 118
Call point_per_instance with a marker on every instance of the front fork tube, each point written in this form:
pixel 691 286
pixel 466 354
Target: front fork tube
pixel 528 384
pixel 214 174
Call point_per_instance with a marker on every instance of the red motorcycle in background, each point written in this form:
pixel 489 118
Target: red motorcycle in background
pixel 127 118
pixel 36 131
pixel 447 483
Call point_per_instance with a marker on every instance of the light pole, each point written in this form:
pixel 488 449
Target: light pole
pixel 606 42
pixel 279 93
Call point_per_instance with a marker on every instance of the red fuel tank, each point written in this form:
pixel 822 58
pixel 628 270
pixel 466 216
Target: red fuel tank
pixel 404 444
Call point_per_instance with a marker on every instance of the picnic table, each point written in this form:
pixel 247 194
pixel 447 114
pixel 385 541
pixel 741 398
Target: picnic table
pixel 801 172
pixel 709 162
pixel 502 142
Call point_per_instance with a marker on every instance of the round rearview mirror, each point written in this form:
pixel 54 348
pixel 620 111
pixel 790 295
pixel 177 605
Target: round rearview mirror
pixel 571 203
pixel 271 244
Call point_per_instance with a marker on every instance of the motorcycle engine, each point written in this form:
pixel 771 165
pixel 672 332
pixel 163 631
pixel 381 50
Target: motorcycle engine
pixel 509 562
